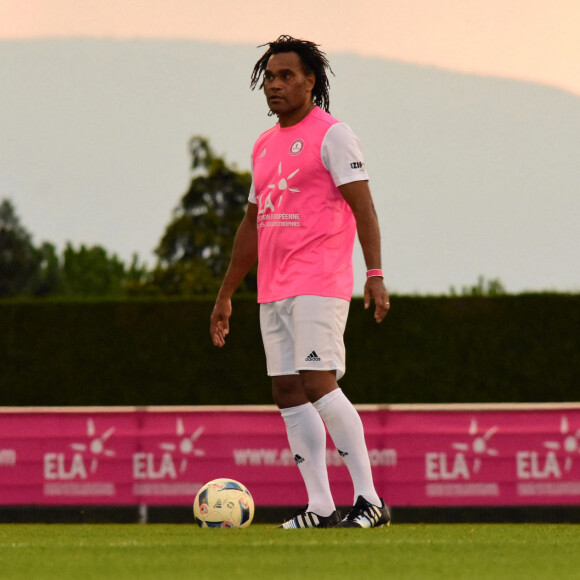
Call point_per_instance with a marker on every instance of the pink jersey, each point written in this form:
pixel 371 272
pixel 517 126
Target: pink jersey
pixel 306 230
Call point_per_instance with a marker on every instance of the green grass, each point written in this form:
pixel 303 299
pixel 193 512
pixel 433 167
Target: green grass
pixel 159 551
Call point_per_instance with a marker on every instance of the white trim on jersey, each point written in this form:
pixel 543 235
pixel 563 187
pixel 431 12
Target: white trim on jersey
pixel 341 154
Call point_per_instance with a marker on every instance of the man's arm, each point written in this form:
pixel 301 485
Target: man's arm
pixel 244 256
pixel 358 196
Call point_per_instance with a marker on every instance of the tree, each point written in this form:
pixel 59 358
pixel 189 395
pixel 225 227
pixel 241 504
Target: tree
pixel 493 287
pixel 83 272
pixel 195 249
pixel 19 259
pixel 91 271
pixel 49 275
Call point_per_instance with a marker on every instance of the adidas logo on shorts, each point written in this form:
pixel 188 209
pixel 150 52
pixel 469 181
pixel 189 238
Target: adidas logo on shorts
pixel 312 357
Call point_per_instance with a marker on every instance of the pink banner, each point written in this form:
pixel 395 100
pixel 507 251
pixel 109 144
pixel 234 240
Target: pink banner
pixel 485 455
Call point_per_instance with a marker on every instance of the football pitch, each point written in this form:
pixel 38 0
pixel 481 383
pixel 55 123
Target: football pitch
pixel 175 551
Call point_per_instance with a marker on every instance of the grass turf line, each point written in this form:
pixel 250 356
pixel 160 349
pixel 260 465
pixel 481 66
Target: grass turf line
pixel 174 551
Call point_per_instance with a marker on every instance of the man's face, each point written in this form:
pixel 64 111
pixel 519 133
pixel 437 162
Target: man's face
pixel 288 90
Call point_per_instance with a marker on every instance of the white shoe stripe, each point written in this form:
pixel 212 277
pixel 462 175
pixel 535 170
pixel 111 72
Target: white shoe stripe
pixel 370 517
pixel 303 520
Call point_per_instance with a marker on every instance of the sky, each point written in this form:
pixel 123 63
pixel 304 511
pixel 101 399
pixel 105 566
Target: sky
pixel 534 41
pixel 530 40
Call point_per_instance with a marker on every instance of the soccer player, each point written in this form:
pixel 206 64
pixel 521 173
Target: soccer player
pixel 309 198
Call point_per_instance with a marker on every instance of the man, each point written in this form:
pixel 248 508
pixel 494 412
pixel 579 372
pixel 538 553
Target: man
pixel 309 198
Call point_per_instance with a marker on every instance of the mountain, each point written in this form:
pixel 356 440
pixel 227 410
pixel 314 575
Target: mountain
pixel 471 175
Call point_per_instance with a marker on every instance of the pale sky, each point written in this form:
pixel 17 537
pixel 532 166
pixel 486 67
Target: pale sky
pixel 533 40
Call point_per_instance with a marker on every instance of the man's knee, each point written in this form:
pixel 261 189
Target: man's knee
pixel 316 384
pixel 288 391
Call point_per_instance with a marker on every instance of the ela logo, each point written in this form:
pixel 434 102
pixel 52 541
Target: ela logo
pixel 266 202
pixel 441 466
pixel 84 459
pixel 536 465
pixel 173 458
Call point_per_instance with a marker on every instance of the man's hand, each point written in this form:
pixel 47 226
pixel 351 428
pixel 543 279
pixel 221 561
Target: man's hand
pixel 244 256
pixel 375 290
pixel 219 325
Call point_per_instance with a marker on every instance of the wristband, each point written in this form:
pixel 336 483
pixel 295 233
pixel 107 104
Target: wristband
pixel 371 273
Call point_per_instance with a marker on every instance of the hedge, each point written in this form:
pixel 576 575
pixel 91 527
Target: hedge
pixel 158 352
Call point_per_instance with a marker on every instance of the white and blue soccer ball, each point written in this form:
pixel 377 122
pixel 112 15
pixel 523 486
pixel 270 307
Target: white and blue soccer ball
pixel 223 503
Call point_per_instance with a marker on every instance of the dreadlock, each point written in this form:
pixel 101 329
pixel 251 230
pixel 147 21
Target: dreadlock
pixel 313 61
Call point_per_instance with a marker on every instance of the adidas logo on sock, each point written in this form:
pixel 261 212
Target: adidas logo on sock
pixel 312 357
pixel 298 459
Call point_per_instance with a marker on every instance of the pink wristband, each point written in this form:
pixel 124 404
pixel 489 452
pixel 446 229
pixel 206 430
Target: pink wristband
pixel 371 273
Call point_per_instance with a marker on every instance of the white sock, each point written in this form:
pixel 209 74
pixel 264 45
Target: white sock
pixel 307 439
pixel 346 429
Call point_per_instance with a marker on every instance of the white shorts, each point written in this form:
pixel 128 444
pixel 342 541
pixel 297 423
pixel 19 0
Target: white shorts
pixel 304 333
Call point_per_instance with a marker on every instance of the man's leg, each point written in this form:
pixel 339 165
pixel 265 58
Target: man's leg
pixel 307 439
pixel 345 427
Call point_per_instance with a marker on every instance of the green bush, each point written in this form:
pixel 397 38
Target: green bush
pixel 158 352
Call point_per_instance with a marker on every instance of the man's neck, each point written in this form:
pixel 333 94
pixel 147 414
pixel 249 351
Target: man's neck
pixel 296 116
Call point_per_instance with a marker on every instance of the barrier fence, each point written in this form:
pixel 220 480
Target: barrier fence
pixel 422 455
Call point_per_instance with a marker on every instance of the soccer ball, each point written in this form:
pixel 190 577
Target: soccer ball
pixel 223 503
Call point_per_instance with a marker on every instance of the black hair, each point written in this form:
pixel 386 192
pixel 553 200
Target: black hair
pixel 313 61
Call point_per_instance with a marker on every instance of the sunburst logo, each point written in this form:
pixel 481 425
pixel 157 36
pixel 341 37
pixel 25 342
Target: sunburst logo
pixel 96 445
pixel 570 443
pixel 479 444
pixel 185 444
pixel 283 184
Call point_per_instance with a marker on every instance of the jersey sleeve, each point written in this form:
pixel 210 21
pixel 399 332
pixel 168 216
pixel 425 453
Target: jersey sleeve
pixel 342 155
